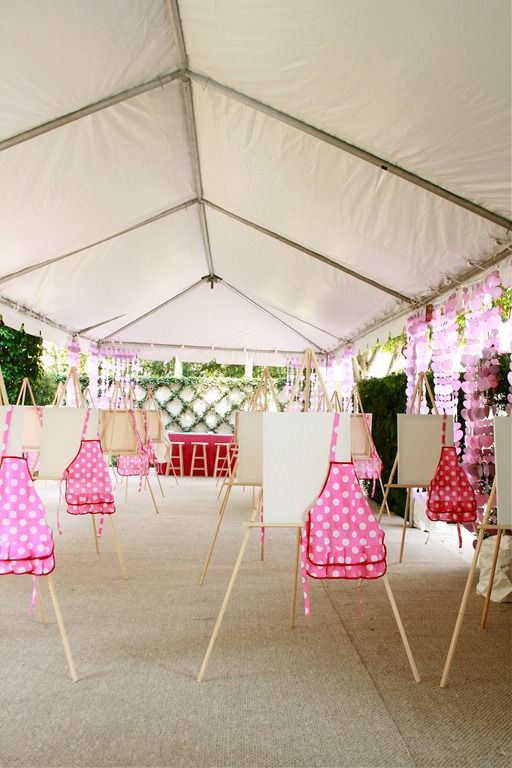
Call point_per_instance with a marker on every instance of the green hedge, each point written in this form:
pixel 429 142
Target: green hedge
pixel 384 398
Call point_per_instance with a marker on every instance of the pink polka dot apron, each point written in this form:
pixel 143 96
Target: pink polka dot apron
pixel 26 540
pixel 341 538
pixel 450 497
pixel 88 483
pixel 138 465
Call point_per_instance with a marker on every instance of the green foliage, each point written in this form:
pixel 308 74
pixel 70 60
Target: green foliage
pixel 384 398
pixel 157 368
pixel 505 303
pixel 213 369
pixel 20 356
pixel 44 388
pixel 395 342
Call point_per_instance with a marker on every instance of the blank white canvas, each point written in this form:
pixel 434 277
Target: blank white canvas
pixel 296 461
pixel 15 444
pixel 249 468
pixel 60 440
pixel 419 447
pixel 503 458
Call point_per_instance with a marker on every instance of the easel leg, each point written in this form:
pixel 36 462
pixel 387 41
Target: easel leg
pixel 491 578
pixel 224 483
pixel 95 534
pixel 387 489
pixel 401 629
pixel 62 629
pixel 462 610
pixel 385 498
pixel 159 483
pixel 170 465
pixel 117 545
pixel 152 495
pixel 224 605
pixel 40 604
pixel 219 523
pixel 404 527
pixel 295 579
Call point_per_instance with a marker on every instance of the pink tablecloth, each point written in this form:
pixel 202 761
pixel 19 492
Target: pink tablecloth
pixel 188 438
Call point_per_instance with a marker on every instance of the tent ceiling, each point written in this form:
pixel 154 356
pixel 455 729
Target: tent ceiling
pixel 314 244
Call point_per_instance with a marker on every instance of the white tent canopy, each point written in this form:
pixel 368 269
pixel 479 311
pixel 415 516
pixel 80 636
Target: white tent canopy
pixel 247 177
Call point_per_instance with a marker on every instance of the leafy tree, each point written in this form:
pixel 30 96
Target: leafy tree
pixel 20 356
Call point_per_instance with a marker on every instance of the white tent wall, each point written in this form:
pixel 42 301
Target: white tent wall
pixel 89 232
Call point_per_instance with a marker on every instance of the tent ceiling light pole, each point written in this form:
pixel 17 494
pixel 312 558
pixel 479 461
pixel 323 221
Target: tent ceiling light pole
pixel 358 152
pixel 310 252
pixel 272 315
pixel 144 223
pixel 177 28
pixel 90 109
pixel 153 310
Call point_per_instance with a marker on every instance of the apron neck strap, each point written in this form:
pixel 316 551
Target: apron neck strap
pixel 443 431
pixel 7 430
pixel 334 437
pixel 86 422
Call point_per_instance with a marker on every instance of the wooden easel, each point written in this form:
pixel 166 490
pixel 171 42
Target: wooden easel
pixel 59 399
pixel 61 394
pixel 482 528
pixel 58 615
pixel 127 401
pixel 421 390
pixel 309 365
pixel 356 396
pixel 264 393
pixel 22 394
pixel 150 404
pixel 88 398
pixel 298 527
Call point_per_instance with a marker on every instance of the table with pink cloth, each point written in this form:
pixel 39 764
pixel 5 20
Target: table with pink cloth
pixel 212 441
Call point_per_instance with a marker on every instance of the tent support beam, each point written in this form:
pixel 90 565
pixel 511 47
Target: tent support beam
pixel 90 109
pixel 271 314
pixel 177 27
pixel 152 311
pixel 30 313
pixel 306 322
pixel 245 350
pixel 310 252
pixel 352 149
pixel 144 223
